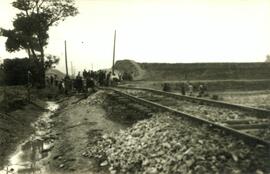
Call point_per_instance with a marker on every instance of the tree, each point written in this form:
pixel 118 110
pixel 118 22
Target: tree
pixel 1 74
pixel 50 61
pixel 15 71
pixel 32 24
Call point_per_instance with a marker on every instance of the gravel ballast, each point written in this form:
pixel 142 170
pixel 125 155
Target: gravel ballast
pixel 168 144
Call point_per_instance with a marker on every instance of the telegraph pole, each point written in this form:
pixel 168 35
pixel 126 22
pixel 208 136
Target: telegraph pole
pixel 66 58
pixel 113 52
pixel 71 69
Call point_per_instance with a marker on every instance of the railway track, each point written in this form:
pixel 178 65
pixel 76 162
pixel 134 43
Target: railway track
pixel 247 123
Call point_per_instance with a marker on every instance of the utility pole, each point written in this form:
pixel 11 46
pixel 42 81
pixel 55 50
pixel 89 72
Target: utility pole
pixel 113 52
pixel 71 69
pixel 66 58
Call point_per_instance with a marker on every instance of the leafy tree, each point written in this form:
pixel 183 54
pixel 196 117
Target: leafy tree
pixel 16 71
pixel 31 27
pixel 51 60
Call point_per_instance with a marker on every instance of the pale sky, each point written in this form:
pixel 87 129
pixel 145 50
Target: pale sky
pixel 169 31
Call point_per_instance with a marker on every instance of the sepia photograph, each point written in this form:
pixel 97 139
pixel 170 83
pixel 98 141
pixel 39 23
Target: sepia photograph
pixel 135 87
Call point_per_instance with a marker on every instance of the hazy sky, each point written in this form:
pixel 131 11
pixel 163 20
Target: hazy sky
pixel 158 31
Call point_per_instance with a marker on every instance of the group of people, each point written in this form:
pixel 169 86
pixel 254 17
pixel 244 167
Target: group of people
pixel 202 90
pixel 81 83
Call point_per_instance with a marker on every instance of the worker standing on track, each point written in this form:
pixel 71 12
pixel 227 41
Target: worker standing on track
pixel 183 89
pixel 190 89
pixel 201 90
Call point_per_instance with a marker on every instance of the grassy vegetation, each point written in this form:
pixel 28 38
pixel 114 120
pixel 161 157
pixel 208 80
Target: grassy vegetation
pixel 212 85
pixel 206 71
pixel 17 96
pixel 259 99
pixel 195 71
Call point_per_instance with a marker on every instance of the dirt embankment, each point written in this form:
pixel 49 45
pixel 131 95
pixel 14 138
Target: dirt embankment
pixel 79 125
pixel 194 71
pixel 75 123
pixel 15 125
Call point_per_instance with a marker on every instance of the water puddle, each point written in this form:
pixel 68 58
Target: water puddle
pixel 31 154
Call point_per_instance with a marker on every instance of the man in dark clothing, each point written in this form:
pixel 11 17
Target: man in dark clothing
pixel 183 89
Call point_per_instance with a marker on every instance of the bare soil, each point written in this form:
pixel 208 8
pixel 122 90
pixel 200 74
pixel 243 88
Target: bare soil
pixel 78 124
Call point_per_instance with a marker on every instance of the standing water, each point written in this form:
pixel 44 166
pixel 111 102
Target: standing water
pixel 32 153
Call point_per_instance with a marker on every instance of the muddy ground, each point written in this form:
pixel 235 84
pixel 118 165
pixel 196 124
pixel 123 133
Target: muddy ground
pixel 15 125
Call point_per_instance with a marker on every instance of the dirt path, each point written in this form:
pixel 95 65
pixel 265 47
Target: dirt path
pixel 75 125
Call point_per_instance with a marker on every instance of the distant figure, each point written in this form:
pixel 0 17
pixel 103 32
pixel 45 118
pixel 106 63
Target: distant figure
pixel 201 90
pixel 205 90
pixel 90 84
pixel 48 81
pixel 51 80
pixel 190 89
pixel 29 78
pixel 79 83
pixel 55 80
pixel 183 90
pixel 108 79
pixel 60 87
pixel 63 84
pixel 67 84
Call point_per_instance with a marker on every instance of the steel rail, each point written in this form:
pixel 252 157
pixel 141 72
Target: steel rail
pixel 264 113
pixel 245 137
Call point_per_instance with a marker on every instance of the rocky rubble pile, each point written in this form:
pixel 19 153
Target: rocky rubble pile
pixel 96 98
pixel 166 144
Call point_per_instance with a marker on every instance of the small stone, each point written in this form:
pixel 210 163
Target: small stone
pixel 84 154
pixel 113 171
pixel 259 172
pixel 104 163
pixel 61 165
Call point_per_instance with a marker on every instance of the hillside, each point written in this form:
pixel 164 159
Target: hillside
pixel 53 72
pixel 194 71
pixel 131 67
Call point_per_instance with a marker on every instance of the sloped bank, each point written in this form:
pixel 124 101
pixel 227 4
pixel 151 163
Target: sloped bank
pixel 15 125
